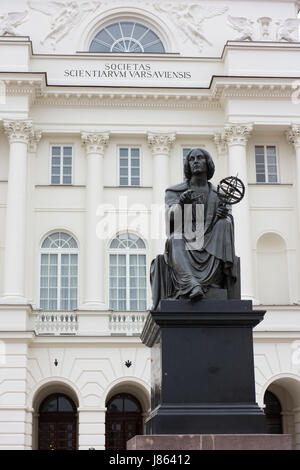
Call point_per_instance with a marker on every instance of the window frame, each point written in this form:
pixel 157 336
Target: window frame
pixel 127 252
pixel 265 146
pixel 122 37
pixel 61 183
pixel 129 147
pixel 58 251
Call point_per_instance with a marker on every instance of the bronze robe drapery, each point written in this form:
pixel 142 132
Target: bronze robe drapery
pixel 180 270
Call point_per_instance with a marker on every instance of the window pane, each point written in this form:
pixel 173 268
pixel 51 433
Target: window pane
pixel 135 152
pixel 55 150
pixel 123 181
pixel 67 151
pixel 67 170
pixel 56 161
pixel 67 180
pixel 135 181
pixel 273 178
pixel 123 152
pixel 260 178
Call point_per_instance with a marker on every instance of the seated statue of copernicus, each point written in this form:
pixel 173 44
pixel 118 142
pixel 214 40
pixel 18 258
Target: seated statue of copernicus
pixel 182 272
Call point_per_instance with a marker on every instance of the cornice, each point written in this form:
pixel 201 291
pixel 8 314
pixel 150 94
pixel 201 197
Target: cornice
pixel 212 97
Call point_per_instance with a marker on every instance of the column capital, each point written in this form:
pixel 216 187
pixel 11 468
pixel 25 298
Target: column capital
pixel 34 140
pixel 220 143
pixel 161 143
pixel 293 135
pixel 95 142
pixel 18 130
pixel 237 133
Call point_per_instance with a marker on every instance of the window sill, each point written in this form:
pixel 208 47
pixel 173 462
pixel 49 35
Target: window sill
pixel 270 184
pixel 60 186
pixel 131 186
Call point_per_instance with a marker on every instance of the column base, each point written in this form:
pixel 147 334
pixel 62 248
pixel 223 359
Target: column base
pixel 13 299
pixel 211 442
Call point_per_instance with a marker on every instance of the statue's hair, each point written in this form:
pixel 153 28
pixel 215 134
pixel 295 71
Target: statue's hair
pixel 209 162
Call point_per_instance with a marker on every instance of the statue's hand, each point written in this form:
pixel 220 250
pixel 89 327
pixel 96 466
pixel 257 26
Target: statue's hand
pixel 186 197
pixel 222 212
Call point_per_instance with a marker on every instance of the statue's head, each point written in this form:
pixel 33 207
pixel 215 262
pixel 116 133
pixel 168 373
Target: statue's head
pixel 194 152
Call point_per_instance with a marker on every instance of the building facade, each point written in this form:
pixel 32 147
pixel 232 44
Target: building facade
pixel 99 103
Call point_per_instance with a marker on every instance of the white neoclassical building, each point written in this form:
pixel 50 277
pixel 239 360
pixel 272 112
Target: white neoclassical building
pixel 99 103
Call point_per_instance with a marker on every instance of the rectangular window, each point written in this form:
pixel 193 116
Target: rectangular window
pixel 127 282
pixel 266 164
pixel 129 158
pixel 61 164
pixel 58 281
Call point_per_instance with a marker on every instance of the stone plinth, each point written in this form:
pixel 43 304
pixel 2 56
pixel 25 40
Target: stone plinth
pixel 202 375
pixel 211 442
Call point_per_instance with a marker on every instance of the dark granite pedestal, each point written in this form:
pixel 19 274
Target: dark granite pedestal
pixel 202 368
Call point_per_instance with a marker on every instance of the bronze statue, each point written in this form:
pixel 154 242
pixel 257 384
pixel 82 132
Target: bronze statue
pixel 182 272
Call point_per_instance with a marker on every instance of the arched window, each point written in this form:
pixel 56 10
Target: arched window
pixel 126 36
pixel 59 272
pixel 123 421
pixel 57 423
pixel 127 273
pixel 273 413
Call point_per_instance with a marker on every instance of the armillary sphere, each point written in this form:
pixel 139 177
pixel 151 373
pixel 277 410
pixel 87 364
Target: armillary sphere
pixel 231 190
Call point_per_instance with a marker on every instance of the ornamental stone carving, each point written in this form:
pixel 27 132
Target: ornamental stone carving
pixel 190 18
pixel 64 16
pixel 237 134
pixel 293 135
pixel 10 22
pixel 19 131
pixel 161 143
pixel 34 140
pixel 244 26
pixel 220 143
pixel 95 142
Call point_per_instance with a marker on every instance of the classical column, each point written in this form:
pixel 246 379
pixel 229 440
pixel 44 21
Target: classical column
pixel 95 143
pixel 160 144
pixel 237 136
pixel 19 135
pixel 293 137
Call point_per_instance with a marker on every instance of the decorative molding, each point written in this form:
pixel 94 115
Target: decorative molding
pixel 220 143
pixel 237 133
pixel 244 26
pixel 19 131
pixel 64 16
pixel 10 21
pixel 288 30
pixel 293 135
pixel 265 23
pixel 95 142
pixel 34 140
pixel 189 18
pixel 161 143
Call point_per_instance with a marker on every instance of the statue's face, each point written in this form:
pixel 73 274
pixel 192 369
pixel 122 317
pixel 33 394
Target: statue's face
pixel 197 162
